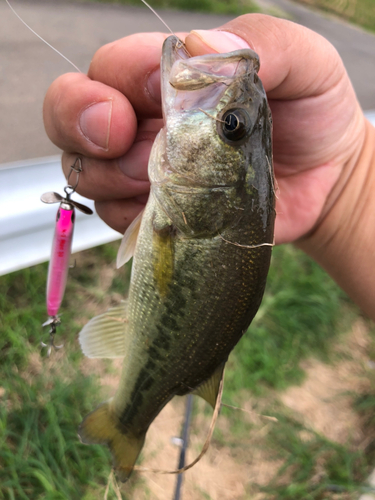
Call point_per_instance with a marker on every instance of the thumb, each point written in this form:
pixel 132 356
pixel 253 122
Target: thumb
pixel 295 62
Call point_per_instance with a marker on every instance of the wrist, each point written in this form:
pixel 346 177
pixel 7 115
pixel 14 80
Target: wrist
pixel 343 241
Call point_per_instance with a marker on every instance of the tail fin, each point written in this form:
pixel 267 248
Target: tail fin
pixel 102 427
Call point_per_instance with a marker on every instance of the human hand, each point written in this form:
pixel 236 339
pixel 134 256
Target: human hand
pixel 318 124
pixel 111 122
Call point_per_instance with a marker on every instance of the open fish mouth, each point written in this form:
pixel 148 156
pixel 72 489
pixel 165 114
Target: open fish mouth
pixel 209 74
pixel 206 100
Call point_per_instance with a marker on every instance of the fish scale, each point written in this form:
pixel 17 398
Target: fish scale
pixel 201 248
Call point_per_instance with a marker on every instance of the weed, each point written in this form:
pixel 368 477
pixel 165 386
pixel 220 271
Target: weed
pixel 40 454
pixel 361 12
pixel 42 405
pixel 236 7
pixel 314 467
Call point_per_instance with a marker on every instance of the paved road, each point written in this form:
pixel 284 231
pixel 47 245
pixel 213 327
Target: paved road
pixel 27 66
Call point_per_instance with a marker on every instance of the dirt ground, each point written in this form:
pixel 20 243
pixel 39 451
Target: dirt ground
pixel 323 403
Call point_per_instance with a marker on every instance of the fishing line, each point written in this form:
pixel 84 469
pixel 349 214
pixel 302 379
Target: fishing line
pixel 206 443
pixel 181 44
pixel 43 40
pixel 273 179
pixel 62 55
pixel 159 17
pixel 211 116
pixel 112 481
pixel 247 246
pixel 267 417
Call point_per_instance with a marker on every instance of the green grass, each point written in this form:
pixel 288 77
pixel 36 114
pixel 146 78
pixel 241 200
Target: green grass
pixel 235 7
pixel 42 403
pixel 316 467
pixel 302 311
pixel 313 467
pixel 20 316
pixel 40 454
pixel 361 12
pixel 364 404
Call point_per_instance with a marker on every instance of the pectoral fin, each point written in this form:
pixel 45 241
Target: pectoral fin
pixel 129 240
pixel 103 427
pixel 209 389
pixel 105 336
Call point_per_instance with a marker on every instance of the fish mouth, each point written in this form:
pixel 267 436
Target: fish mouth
pixel 173 50
pixel 181 73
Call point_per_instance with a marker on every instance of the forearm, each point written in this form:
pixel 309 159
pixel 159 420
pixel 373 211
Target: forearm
pixel 344 241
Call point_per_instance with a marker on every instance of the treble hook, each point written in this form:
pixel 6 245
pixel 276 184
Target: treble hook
pixel 53 321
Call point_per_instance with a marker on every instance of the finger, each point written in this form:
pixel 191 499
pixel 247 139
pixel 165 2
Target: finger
pixel 119 214
pixel 87 117
pixel 103 180
pixel 83 115
pixel 300 201
pixel 132 66
pixel 294 61
pixel 122 177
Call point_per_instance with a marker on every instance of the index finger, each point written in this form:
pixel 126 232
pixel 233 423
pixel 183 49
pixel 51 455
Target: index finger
pixel 132 66
pixel 96 115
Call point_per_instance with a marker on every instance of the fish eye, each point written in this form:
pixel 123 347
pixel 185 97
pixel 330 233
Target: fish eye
pixel 235 124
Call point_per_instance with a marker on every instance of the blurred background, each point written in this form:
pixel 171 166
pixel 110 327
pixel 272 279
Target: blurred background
pixel 308 360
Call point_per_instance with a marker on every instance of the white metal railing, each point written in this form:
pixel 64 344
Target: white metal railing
pixel 27 224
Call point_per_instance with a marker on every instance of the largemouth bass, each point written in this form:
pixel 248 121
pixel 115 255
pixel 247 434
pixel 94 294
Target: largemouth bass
pixel 201 248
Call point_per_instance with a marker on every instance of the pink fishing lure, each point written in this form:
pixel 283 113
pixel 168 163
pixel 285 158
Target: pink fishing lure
pixel 61 250
pixel 60 255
